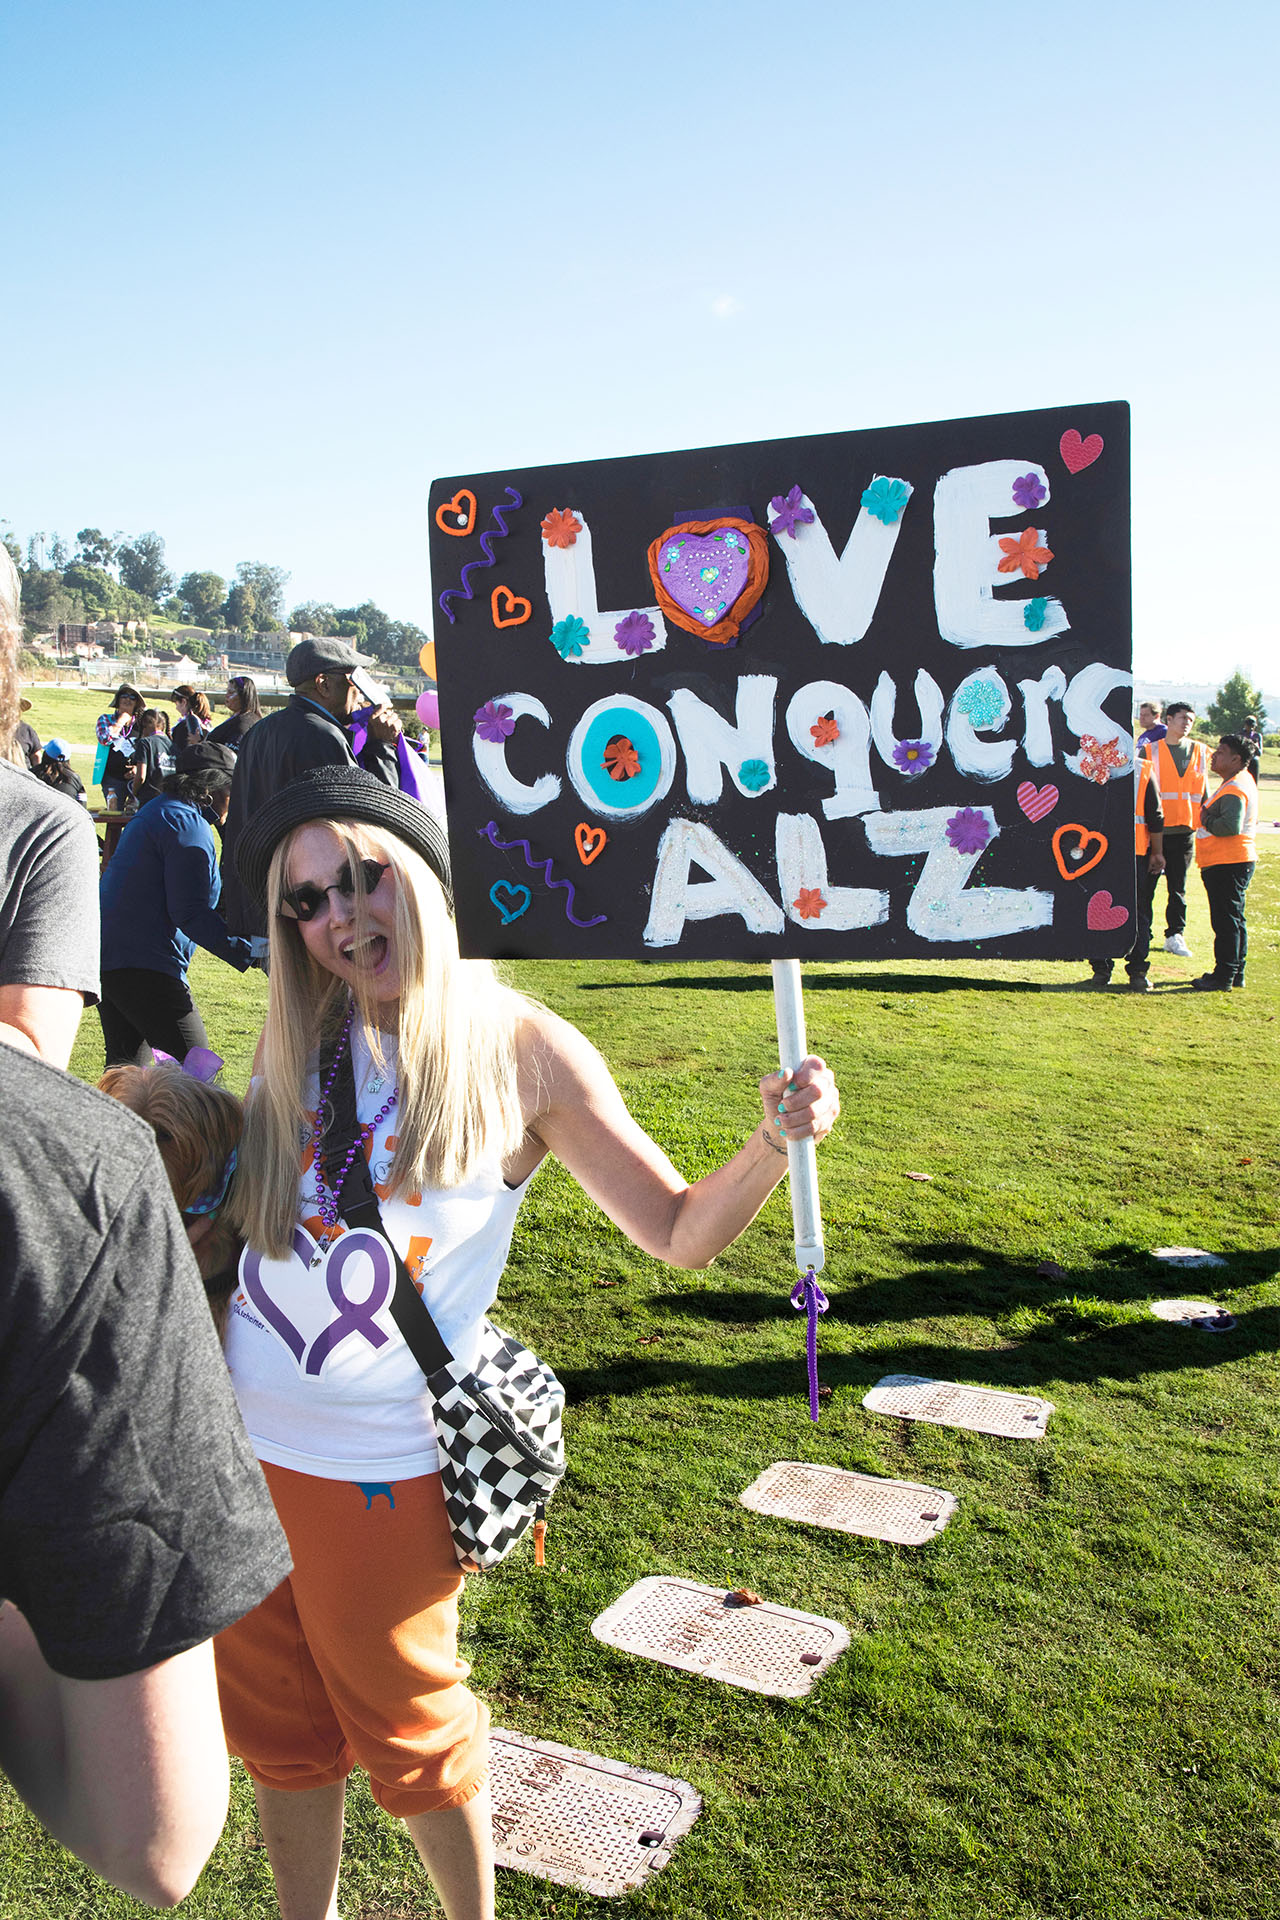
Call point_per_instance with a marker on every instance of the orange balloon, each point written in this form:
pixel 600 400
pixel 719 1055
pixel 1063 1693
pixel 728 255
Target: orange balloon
pixel 427 659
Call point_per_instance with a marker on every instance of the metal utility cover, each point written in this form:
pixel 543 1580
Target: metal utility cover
pixel 946 1403
pixel 897 1510
pixel 1193 1313
pixel 581 1820
pixel 766 1649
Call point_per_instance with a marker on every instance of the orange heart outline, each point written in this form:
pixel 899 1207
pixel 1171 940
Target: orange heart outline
pixel 513 601
pixel 455 506
pixel 1086 835
pixel 590 842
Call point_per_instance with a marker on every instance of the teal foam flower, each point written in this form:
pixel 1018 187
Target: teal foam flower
pixel 886 498
pixel 982 703
pixel 754 775
pixel 1035 613
pixel 570 636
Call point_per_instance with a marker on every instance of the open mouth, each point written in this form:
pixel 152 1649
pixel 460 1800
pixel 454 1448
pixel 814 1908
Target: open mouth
pixel 369 955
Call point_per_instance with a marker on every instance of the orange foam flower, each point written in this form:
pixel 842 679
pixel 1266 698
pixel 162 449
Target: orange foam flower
pixel 561 528
pixel 621 760
pixel 809 903
pixel 824 731
pixel 1023 555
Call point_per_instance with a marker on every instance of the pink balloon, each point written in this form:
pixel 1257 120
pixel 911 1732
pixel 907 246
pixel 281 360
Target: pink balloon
pixel 427 708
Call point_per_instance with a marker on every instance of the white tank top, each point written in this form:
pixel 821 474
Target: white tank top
pixel 325 1381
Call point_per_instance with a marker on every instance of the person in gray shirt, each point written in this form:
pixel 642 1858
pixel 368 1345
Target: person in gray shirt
pixel 48 882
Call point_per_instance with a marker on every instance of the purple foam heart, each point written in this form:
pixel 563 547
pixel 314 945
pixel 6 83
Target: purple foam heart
pixel 705 572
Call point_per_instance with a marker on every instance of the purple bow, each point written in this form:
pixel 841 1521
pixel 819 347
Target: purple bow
pixel 807 1296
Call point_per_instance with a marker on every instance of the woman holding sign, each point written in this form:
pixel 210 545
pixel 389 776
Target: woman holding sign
pixel 454 1088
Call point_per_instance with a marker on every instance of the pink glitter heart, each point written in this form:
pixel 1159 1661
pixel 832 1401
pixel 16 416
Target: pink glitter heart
pixel 705 572
pixel 1102 916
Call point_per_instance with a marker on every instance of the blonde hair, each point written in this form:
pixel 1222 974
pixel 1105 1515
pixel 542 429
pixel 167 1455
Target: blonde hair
pixel 456 1025
pixel 196 1126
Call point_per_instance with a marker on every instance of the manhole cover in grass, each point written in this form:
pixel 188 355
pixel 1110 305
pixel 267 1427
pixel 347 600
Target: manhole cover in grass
pixel 1194 1313
pixel 898 1510
pixel 580 1820
pixel 763 1648
pixel 1188 1257
pixel 946 1403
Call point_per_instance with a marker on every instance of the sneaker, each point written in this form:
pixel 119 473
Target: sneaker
pixel 1099 983
pixel 1140 984
pixel 1176 944
pixel 1210 983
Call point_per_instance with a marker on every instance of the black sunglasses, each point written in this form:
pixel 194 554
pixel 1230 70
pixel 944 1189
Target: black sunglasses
pixel 305 902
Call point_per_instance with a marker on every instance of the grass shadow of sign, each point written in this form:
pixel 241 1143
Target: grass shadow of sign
pixel 1088 1324
pixel 822 983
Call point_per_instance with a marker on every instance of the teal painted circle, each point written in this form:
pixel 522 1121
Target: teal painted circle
pixel 643 736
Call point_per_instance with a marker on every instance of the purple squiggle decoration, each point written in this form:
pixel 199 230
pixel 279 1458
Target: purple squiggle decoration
pixel 490 833
pixel 466 591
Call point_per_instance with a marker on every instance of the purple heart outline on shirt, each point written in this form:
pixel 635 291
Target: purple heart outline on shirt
pixel 354 1316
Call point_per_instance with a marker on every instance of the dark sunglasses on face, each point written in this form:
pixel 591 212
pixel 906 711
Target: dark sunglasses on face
pixel 305 902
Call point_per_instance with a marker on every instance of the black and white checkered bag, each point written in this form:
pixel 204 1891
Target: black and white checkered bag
pixel 501 1447
pixel 497 1424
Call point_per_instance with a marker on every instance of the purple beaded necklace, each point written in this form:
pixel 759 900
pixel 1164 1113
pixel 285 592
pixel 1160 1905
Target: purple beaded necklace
pixel 326 1196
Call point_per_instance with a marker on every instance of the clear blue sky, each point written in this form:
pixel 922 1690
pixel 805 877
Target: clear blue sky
pixel 246 306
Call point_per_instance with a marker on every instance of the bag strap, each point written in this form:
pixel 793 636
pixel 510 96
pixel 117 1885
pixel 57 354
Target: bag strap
pixel 358 1205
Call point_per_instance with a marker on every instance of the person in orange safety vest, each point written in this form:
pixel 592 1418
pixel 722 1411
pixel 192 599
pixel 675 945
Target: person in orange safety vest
pixel 1226 853
pixel 1148 847
pixel 1182 770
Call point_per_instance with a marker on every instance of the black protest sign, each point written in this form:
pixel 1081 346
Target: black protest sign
pixel 841 697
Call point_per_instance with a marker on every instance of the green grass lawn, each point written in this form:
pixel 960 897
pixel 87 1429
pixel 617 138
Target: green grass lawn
pixel 1065 1708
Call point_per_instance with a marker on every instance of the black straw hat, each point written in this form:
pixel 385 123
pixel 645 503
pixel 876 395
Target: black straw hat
pixel 338 793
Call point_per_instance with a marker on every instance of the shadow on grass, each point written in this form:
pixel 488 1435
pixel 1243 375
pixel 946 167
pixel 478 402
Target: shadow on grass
pixel 822 983
pixel 1069 1338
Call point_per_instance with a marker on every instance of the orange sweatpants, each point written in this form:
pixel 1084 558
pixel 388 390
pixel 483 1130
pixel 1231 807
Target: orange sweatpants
pixel 354 1658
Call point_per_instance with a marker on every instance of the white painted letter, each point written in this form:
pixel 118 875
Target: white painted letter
pixel 884 703
pixel 838 597
pixel 802 866
pixel 713 745
pixel 848 757
pixel 940 908
pixel 965 502
pixel 980 712
pixel 570 577
pixel 1082 705
pixel 731 889
pixel 1037 736
pixel 491 761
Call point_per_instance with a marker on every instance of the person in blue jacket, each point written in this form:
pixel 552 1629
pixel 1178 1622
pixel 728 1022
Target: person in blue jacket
pixel 159 896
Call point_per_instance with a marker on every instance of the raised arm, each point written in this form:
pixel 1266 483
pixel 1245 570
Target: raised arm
pixel 576 1111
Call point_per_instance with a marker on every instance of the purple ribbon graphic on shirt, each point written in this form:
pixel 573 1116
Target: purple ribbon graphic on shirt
pixel 354 1316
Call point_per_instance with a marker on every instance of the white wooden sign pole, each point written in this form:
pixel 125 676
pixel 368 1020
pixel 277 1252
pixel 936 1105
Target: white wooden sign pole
pixel 802 1155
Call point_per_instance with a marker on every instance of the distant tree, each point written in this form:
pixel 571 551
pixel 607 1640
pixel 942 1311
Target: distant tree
pixel 142 567
pixel 202 596
pixel 94 548
pixel 39 585
pixel 267 585
pixel 242 607
pixel 314 616
pixel 173 609
pixel 35 552
pixel 9 541
pixel 196 648
pixel 1235 700
pixel 58 555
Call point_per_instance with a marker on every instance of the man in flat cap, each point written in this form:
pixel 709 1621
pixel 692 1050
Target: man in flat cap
pixel 310 730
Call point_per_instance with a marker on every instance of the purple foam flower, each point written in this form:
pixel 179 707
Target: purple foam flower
pixel 495 722
pixel 634 634
pixel 791 513
pixel 968 830
pixel 1029 490
pixel 913 756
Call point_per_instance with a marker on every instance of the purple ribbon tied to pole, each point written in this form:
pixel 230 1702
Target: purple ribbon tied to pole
pixel 807 1297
